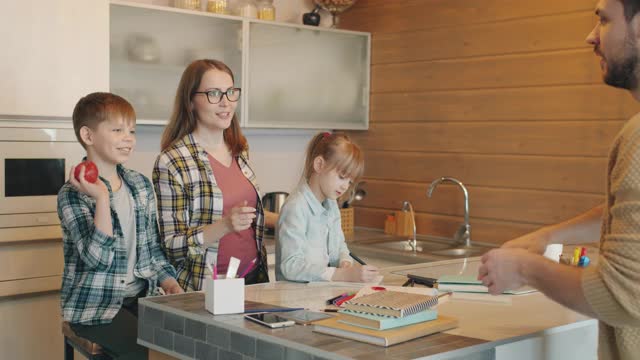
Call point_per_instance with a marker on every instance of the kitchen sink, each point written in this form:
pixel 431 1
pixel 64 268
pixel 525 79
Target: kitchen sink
pixel 428 248
pixel 462 251
pixel 404 245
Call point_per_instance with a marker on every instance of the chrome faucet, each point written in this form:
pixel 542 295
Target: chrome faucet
pixel 413 243
pixel 463 235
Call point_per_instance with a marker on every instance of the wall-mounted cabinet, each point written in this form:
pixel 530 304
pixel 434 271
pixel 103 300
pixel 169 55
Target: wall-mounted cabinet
pixel 292 76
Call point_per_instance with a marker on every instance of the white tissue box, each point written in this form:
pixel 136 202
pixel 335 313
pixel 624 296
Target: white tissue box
pixel 224 296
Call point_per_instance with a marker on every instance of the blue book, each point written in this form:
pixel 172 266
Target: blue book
pixel 377 322
pixel 470 283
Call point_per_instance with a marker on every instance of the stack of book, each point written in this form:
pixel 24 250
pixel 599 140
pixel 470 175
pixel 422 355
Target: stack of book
pixel 470 284
pixel 387 317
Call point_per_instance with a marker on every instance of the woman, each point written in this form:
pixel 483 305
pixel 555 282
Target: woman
pixel 208 200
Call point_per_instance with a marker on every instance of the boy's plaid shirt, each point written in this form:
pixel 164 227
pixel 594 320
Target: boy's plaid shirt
pixel 189 199
pixel 95 268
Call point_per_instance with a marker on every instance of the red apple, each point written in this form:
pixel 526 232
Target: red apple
pixel 90 171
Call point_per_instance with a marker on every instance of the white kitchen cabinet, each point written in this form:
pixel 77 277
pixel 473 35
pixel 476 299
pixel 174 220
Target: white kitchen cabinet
pixel 292 76
pixel 53 53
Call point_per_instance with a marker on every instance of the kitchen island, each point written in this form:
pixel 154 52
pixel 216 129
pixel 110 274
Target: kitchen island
pixel 526 326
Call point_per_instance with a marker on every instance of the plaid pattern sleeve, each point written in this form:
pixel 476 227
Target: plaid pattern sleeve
pixel 188 200
pixel 95 272
pixel 94 248
pixel 161 265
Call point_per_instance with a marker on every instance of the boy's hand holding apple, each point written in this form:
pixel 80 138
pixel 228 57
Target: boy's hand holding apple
pixel 84 177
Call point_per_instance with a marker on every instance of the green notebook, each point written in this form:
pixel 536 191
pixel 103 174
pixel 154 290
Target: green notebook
pixel 469 283
pixel 377 322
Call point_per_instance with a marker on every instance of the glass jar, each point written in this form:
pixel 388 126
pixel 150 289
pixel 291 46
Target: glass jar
pixel 247 8
pixel 266 10
pixel 187 4
pixel 217 6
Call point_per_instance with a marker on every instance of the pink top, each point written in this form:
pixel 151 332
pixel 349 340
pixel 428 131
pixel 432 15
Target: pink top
pixel 235 188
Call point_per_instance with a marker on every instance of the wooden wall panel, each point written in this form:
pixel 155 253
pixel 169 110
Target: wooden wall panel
pixel 579 102
pixel 503 95
pixel 575 174
pixel 537 207
pixel 570 138
pixel 384 16
pixel 539 69
pixel 528 35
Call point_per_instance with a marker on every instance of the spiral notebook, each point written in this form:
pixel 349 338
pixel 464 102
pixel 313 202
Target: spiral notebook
pixel 391 303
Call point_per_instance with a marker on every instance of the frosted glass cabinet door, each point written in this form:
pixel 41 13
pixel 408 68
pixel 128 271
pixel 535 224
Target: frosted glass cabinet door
pixel 306 78
pixel 151 47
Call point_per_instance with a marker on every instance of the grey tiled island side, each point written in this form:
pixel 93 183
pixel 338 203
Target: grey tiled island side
pixel 179 326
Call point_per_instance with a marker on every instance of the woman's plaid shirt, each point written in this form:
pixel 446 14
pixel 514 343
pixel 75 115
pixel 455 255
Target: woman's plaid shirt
pixel 189 199
pixel 95 264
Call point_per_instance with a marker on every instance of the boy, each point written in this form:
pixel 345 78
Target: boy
pixel 112 252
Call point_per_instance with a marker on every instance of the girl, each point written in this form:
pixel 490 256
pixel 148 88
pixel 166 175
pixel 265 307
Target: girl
pixel 207 192
pixel 310 244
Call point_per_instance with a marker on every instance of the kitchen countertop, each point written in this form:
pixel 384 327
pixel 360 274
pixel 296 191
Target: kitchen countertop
pixel 179 325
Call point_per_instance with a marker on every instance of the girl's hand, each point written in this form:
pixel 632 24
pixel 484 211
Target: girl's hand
pixel 97 190
pixel 365 273
pixel 240 217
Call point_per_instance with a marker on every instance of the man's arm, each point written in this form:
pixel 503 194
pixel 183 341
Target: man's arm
pixel 561 283
pixel 504 269
pixel 584 228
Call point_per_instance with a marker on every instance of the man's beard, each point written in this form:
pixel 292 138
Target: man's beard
pixel 622 73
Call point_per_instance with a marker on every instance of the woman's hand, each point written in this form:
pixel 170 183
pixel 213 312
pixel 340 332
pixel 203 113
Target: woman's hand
pixel 240 217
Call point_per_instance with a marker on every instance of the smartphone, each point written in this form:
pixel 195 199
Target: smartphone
pixel 270 320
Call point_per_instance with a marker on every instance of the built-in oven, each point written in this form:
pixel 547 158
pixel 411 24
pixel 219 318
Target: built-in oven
pixel 34 164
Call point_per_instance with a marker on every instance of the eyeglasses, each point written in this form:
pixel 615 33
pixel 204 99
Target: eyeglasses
pixel 214 96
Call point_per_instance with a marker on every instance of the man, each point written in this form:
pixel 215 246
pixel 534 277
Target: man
pixel 609 290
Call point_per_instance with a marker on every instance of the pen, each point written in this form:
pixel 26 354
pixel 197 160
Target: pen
pixel 330 310
pixel 246 271
pixel 344 299
pixel 357 259
pixel 211 269
pixel 330 301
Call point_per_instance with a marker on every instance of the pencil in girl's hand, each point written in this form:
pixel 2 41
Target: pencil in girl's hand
pixel 357 259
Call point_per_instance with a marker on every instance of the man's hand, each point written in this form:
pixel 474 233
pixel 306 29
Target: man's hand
pixel 501 269
pixel 170 286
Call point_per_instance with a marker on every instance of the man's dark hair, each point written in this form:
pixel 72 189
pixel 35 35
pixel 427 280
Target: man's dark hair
pixel 631 8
